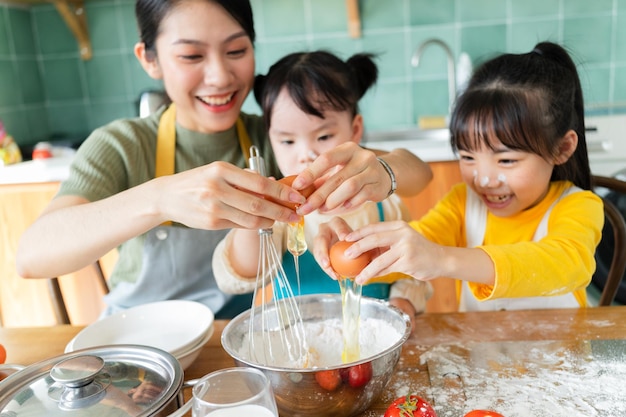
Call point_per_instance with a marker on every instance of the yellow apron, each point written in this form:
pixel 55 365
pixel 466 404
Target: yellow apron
pixel 176 261
pixel 166 142
pixel 475 225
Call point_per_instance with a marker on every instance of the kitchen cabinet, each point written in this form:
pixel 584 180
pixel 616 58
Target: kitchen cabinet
pixel 27 302
pixel 445 175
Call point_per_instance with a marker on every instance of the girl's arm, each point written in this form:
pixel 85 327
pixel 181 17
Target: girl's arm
pixel 361 177
pixel 561 262
pixel 243 251
pixel 397 247
pixel 558 264
pixel 236 258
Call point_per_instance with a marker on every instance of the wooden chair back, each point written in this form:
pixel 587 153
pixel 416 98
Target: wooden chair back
pixel 615 218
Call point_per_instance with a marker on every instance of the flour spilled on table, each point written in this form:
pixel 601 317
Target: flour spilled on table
pixel 521 379
pixel 325 339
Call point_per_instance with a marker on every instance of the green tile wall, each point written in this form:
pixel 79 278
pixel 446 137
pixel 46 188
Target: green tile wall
pixel 46 90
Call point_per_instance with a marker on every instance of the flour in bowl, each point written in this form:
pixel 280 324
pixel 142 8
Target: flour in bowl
pixel 325 339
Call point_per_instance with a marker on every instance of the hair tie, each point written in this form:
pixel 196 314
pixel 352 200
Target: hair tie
pixel 538 51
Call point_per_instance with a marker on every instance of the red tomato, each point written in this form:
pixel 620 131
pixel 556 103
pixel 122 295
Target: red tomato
pixel 410 406
pixel 359 375
pixel 329 379
pixel 3 354
pixel 483 413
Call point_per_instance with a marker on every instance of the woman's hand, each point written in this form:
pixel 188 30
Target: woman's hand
pixel 215 196
pixel 221 195
pixel 350 175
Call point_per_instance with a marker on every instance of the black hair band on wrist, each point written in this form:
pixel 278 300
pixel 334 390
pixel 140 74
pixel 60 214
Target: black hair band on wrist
pixel 392 176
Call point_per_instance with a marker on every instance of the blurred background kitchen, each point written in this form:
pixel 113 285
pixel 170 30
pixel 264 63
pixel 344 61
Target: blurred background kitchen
pixel 69 68
pixel 48 91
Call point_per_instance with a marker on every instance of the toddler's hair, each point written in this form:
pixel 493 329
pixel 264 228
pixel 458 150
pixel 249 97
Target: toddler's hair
pixel 528 102
pixel 317 82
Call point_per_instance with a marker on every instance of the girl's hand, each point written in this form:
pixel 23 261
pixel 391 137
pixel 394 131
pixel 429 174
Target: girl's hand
pixel 328 234
pixel 397 247
pixel 347 176
pixel 220 195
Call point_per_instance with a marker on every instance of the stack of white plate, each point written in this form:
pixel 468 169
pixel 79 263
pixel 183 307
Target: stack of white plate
pixel 179 327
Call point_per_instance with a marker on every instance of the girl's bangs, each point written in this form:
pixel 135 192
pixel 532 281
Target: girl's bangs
pixel 483 118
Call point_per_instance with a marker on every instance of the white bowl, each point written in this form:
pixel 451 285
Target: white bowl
pixel 186 358
pixel 175 326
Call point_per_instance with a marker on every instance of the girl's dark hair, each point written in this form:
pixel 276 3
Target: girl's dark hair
pixel 150 13
pixel 528 102
pixel 316 81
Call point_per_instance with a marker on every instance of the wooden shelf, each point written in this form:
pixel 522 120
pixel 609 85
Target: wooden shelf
pixel 354 18
pixel 73 14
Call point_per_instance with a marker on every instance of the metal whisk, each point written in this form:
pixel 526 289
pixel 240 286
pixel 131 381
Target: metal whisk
pixel 276 332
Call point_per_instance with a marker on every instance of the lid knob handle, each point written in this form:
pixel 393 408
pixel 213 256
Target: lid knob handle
pixel 79 381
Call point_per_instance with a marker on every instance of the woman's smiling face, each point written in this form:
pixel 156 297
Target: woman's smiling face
pixel 508 181
pixel 206 61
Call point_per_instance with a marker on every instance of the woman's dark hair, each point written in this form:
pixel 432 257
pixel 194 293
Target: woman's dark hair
pixel 150 13
pixel 528 102
pixel 317 82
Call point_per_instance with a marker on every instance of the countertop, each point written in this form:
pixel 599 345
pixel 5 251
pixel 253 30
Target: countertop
pixel 607 152
pixel 461 361
pixel 431 145
pixel 58 167
pixel 37 170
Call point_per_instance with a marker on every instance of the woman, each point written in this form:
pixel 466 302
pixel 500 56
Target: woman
pixel 136 183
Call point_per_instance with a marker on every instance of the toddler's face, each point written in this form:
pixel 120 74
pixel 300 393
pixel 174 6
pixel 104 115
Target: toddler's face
pixel 508 181
pixel 298 138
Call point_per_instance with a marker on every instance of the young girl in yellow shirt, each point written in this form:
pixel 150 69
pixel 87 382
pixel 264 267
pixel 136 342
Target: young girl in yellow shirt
pixel 522 229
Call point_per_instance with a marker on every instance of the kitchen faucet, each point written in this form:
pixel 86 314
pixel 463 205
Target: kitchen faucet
pixel 415 61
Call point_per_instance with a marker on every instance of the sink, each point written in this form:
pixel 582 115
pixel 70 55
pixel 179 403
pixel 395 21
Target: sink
pixel 414 134
pixel 429 144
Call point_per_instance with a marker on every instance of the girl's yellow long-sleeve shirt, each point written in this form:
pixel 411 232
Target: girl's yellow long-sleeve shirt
pixel 560 263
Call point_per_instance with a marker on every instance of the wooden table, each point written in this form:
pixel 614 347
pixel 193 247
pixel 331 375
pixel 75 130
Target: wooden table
pixel 28 345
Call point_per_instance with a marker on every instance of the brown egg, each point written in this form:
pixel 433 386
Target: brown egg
pixel 288 181
pixel 346 267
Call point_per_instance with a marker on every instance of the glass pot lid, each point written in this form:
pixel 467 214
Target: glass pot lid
pixel 117 380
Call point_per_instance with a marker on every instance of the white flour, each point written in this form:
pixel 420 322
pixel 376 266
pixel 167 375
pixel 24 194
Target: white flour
pixel 568 379
pixel 325 339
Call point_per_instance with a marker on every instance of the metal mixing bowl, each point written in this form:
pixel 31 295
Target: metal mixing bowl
pixel 296 390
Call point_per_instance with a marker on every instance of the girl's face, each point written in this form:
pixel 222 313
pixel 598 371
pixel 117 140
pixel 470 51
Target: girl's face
pixel 206 61
pixel 298 138
pixel 508 181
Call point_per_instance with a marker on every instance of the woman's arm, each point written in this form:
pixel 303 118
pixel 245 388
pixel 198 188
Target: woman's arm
pixel 360 177
pixel 73 232
pixel 412 174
